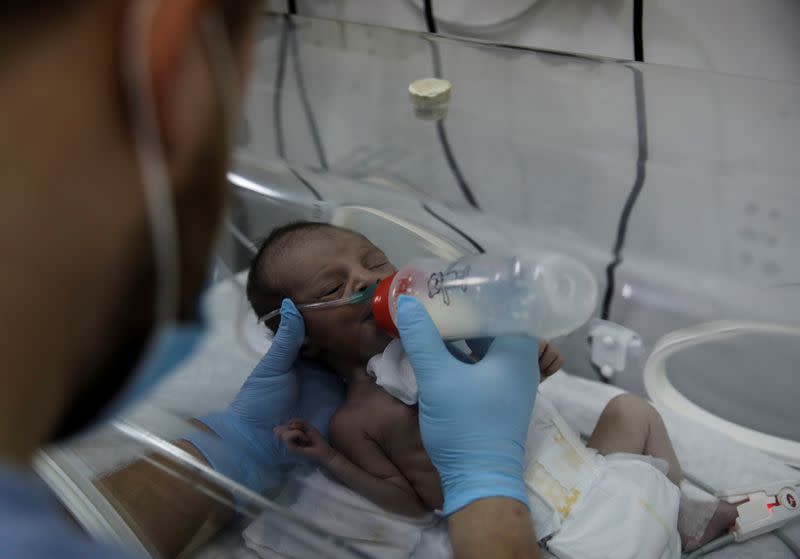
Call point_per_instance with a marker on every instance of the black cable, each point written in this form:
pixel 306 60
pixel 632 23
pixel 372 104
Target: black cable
pixel 638 43
pixel 441 131
pixel 277 101
pixel 430 21
pixel 466 237
pixel 301 87
pixel 307 184
pixel 641 170
pixel 630 202
pixel 453 164
pixel 638 184
pixel 641 161
pixel 292 5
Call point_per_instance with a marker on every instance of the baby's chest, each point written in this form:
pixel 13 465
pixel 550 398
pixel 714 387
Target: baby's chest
pixel 392 421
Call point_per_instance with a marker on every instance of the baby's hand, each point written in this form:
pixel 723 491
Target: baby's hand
pixel 550 359
pixel 302 438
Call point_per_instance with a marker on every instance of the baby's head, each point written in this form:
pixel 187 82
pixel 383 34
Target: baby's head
pixel 312 262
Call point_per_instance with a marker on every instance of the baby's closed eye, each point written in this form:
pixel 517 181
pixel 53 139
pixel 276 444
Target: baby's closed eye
pixel 332 290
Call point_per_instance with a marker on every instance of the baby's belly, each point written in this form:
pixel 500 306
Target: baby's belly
pixel 420 472
pixel 408 454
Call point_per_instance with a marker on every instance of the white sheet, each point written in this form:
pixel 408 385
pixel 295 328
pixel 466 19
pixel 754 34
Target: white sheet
pixel 338 510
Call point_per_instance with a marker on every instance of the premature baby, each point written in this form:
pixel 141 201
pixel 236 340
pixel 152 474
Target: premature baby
pixel 375 443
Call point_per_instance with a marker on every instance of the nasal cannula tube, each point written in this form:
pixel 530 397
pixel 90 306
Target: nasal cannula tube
pixel 355 298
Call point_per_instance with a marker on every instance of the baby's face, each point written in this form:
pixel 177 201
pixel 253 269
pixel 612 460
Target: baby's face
pixel 331 264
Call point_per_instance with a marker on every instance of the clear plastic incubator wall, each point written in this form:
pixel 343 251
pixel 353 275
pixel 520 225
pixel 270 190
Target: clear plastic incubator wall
pixel 677 189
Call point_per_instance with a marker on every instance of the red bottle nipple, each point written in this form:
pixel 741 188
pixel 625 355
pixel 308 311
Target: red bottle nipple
pixel 380 307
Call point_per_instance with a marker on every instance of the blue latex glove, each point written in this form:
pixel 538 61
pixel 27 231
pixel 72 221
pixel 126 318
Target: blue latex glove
pixel 278 389
pixel 473 416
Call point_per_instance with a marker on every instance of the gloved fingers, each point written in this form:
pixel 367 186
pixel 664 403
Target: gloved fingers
pixel 285 345
pixel 458 354
pixel 421 339
pixel 480 346
pixel 514 352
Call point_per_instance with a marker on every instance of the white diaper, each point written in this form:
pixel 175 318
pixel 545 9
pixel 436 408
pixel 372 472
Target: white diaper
pixel 583 505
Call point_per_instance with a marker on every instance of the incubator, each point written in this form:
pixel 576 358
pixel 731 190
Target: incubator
pixel 674 191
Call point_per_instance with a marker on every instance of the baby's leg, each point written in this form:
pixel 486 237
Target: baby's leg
pixel 629 424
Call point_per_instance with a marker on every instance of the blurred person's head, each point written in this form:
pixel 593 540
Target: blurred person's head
pixel 75 230
pixel 311 262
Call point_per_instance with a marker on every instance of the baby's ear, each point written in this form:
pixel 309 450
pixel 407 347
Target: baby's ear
pixel 309 350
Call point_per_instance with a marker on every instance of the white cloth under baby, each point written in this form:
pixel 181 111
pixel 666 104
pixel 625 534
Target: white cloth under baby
pixel 323 501
pixel 392 372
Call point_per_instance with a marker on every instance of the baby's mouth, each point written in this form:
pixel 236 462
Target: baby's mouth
pixel 368 315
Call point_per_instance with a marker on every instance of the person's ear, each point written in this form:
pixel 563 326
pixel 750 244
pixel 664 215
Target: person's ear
pixel 185 92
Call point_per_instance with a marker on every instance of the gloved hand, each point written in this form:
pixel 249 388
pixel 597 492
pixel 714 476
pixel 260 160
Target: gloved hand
pixel 246 449
pixel 473 417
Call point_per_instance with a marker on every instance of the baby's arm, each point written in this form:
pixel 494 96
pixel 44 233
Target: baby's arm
pixel 382 483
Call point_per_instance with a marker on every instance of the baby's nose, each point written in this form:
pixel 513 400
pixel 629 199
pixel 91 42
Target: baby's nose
pixel 368 279
pixel 366 283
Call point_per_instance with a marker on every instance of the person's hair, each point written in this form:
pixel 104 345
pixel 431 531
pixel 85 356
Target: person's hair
pixel 264 290
pixel 16 14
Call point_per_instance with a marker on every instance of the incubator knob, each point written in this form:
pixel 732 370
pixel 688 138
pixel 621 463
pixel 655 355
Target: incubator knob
pixel 430 97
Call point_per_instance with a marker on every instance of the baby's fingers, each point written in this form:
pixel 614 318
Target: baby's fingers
pixel 550 360
pixel 293 438
pixel 297 423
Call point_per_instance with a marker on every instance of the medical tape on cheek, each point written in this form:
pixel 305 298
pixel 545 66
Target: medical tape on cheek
pixel 696 509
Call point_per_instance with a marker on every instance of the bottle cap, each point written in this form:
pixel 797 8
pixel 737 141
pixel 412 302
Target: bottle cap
pixel 380 307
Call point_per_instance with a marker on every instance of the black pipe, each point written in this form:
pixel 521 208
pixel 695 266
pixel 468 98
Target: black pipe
pixel 633 196
pixel 638 42
pixel 301 88
pixel 441 131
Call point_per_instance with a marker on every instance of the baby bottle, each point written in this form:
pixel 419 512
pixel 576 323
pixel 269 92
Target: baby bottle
pixel 544 295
